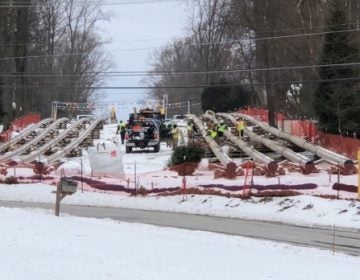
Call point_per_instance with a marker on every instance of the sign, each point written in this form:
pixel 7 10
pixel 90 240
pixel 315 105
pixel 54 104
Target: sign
pixel 12 163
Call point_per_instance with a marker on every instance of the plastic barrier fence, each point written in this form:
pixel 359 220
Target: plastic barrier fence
pixel 19 124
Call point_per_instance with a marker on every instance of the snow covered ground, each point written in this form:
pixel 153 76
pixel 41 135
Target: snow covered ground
pixel 301 210
pixel 38 245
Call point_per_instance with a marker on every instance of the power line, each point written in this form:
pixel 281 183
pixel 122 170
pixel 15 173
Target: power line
pixel 160 73
pixel 163 39
pixel 181 87
pixel 113 3
pixel 195 44
pixel 259 31
pixel 277 37
pixel 306 34
pixel 67 54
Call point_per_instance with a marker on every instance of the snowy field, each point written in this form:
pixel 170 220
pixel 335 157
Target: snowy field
pixel 300 210
pixel 37 245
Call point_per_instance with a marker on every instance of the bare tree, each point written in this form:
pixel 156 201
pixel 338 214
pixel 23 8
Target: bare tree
pixel 281 34
pixel 204 50
pixel 61 51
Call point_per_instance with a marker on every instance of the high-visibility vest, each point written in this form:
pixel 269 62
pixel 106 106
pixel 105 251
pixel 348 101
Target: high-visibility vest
pixel 176 133
pixel 121 127
pixel 222 128
pixel 240 125
pixel 213 133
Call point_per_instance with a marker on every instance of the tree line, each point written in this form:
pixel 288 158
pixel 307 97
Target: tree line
pixel 50 51
pixel 300 57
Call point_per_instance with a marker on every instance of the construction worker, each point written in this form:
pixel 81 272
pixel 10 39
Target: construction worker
pixel 122 130
pixel 220 128
pixel 175 136
pixel 212 133
pixel 240 127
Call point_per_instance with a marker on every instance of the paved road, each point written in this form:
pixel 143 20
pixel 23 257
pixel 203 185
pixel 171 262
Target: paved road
pixel 345 241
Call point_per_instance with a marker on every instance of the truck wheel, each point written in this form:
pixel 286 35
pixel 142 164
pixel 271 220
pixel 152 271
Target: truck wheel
pixel 128 150
pixel 157 148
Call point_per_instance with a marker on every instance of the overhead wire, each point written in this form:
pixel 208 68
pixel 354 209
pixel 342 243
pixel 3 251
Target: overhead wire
pixel 191 44
pixel 144 73
pixel 260 31
pixel 183 86
pixel 163 39
pixel 161 73
pixel 23 4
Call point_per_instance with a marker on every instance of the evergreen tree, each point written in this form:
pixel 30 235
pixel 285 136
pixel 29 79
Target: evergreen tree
pixel 337 98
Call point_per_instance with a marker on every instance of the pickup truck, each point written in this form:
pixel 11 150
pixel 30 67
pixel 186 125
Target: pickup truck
pixel 180 120
pixel 142 134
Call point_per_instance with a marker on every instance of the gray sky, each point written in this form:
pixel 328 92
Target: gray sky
pixel 135 26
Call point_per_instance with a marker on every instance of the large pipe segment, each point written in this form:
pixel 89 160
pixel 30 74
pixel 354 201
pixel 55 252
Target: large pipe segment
pixel 321 152
pixel 55 141
pixel 304 162
pixel 230 166
pixel 34 141
pixel 258 157
pixel 73 144
pixel 24 133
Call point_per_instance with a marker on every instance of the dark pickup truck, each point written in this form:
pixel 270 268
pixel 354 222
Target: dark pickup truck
pixel 143 134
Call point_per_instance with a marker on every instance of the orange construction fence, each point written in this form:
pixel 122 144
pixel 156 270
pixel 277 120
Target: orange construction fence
pixel 302 128
pixel 262 115
pixel 25 121
pixel 19 124
pixel 347 146
pixel 259 114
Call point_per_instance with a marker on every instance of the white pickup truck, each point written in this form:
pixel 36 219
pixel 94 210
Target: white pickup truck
pixel 180 120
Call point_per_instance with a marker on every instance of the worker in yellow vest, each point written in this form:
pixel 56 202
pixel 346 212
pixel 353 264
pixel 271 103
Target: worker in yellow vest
pixel 212 133
pixel 220 128
pixel 122 130
pixel 175 136
pixel 240 127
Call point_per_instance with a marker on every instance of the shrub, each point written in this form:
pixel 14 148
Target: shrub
pixel 190 153
pixel 11 180
pixel 185 159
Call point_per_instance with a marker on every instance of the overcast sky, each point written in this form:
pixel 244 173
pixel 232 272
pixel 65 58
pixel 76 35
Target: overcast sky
pixel 134 26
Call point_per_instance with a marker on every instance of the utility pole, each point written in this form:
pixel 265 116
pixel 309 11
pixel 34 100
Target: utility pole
pixel 166 103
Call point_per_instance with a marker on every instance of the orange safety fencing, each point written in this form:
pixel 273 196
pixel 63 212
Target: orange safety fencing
pixel 262 115
pixel 19 124
pixel 347 146
pixel 25 121
pixel 303 128
pixel 6 135
pixel 259 114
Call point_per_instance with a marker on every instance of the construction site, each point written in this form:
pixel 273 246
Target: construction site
pixel 269 174
pixel 263 153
